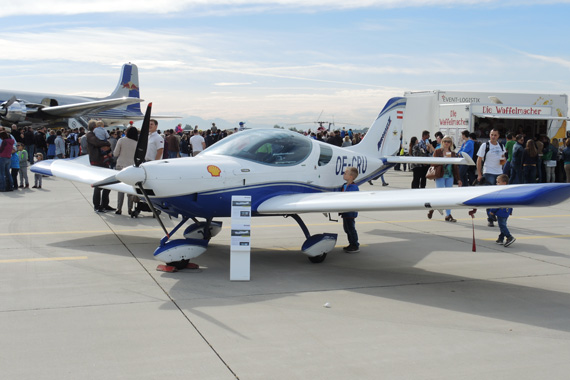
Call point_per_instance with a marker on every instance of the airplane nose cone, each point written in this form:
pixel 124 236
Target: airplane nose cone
pixel 131 175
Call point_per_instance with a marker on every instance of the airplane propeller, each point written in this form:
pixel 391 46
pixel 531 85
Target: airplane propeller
pixel 133 176
pixel 15 112
pixel 142 144
pixel 134 173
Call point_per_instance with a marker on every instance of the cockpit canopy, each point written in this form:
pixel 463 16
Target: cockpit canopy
pixel 264 146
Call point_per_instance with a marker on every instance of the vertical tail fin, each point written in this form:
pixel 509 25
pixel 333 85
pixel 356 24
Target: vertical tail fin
pixel 384 136
pixel 128 86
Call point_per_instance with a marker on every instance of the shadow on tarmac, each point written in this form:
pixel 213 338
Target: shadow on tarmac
pixel 382 270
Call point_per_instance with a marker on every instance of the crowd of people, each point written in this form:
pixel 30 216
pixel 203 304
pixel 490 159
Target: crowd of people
pixel 516 160
pixel 23 146
pixel 523 159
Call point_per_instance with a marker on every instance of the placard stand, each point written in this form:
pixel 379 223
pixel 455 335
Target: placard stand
pixel 240 248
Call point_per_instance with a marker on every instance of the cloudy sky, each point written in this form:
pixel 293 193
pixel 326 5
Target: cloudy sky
pixel 285 61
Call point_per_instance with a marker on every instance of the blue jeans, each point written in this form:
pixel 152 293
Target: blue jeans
pixel 490 179
pixel 516 176
pixel 502 220
pixel 73 151
pixel 463 175
pixel 529 174
pixel 172 154
pixel 5 176
pixel 349 227
pixel 507 168
pixel 444 182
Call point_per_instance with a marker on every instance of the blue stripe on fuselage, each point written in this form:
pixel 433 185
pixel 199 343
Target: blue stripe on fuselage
pixel 218 203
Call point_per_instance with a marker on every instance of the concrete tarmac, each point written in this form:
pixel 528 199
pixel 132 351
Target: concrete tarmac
pixel 80 297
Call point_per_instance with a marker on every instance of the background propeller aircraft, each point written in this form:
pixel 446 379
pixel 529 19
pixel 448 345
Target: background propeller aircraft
pixel 286 174
pixel 119 107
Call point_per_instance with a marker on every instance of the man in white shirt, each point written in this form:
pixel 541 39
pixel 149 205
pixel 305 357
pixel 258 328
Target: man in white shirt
pixel 198 143
pixel 490 159
pixel 155 145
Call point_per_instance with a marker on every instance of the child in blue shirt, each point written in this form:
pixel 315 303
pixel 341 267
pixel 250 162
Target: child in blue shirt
pixel 502 215
pixel 348 218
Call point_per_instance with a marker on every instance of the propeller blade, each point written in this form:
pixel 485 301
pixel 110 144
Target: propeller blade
pixel 6 104
pixel 156 216
pixel 142 143
pixel 107 181
pixel 10 101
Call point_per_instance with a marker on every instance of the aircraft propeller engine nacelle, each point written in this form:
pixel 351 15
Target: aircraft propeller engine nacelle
pixel 131 175
pixel 13 111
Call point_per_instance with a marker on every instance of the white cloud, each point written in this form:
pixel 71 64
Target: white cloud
pixel 191 56
pixel 209 7
pixel 103 46
pixel 556 60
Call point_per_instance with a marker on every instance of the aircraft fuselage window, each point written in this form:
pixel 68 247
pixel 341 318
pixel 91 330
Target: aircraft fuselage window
pixel 268 147
pixel 325 156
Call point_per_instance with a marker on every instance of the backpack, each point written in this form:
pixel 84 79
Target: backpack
pixel 72 138
pixel 487 146
pixel 476 146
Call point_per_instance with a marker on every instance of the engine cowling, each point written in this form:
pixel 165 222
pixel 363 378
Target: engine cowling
pixel 14 111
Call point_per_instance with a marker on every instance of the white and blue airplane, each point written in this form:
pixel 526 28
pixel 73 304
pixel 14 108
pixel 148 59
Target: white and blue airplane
pixel 122 105
pixel 286 174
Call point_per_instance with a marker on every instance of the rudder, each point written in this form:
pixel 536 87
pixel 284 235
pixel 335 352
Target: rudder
pixel 384 136
pixel 128 86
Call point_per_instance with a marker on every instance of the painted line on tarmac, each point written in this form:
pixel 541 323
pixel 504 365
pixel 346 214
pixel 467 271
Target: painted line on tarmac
pixel 7 261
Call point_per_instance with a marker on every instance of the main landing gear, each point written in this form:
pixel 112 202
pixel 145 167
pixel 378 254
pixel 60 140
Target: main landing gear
pixel 178 253
pixel 317 246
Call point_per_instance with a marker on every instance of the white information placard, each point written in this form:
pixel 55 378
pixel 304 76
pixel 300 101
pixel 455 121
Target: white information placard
pixel 240 245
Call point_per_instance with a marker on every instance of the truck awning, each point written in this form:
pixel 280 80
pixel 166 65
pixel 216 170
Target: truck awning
pixel 521 117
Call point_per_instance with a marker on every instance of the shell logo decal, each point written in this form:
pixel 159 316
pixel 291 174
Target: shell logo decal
pixel 214 170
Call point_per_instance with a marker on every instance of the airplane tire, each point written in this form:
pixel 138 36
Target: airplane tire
pixel 317 259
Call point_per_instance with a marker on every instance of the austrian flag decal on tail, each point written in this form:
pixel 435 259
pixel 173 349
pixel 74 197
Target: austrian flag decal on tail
pixel 400 114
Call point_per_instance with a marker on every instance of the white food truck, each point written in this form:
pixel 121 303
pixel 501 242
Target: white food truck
pixel 452 112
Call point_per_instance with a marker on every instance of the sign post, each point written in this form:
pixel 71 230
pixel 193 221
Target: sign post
pixel 240 250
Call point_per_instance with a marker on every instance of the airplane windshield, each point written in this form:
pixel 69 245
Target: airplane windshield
pixel 268 147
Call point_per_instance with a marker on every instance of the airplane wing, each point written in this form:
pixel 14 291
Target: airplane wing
pixel 95 106
pixel 166 117
pixel 79 170
pixel 534 195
